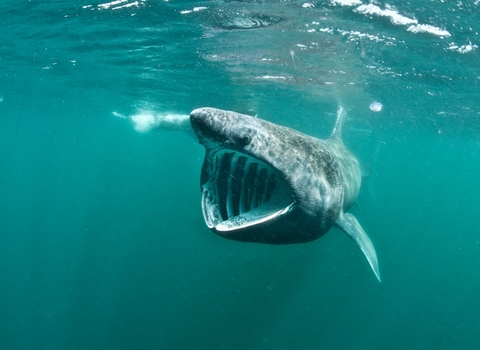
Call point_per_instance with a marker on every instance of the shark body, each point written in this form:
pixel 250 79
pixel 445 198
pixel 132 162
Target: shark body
pixel 267 183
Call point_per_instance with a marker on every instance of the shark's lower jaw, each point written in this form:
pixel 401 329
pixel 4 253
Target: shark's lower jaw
pixel 241 191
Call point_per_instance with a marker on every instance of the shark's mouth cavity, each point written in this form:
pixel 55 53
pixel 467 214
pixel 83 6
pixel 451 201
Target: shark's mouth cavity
pixel 242 191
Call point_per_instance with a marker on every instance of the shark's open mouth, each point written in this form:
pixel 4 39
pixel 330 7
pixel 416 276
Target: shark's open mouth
pixel 242 191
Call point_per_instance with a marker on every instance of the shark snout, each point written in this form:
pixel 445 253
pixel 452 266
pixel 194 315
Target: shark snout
pixel 204 115
pixel 204 123
pixel 197 118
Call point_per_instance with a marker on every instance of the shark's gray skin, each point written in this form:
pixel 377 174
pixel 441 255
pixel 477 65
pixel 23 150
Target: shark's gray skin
pixel 266 183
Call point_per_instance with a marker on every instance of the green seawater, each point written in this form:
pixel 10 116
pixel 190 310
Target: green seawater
pixel 102 239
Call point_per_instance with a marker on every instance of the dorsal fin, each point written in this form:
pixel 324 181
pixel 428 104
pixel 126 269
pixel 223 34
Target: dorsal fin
pixel 337 130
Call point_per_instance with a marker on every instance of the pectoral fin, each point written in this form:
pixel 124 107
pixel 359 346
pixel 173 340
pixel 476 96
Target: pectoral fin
pixel 348 223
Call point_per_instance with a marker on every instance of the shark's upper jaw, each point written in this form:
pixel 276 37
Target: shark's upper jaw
pixel 240 191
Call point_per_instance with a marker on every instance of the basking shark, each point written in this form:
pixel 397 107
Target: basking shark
pixel 267 183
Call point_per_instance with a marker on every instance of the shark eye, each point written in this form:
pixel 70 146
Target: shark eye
pixel 244 140
pixel 238 141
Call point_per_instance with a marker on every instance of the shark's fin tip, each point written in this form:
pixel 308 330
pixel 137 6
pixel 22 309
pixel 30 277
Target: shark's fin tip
pixel 337 130
pixel 349 224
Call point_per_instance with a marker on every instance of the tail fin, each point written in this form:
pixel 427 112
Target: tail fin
pixel 337 130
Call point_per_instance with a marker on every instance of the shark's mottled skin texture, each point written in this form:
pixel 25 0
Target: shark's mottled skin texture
pixel 323 175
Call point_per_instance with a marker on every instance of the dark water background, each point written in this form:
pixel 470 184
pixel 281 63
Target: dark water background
pixel 102 242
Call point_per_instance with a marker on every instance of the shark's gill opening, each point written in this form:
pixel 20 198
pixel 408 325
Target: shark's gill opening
pixel 242 191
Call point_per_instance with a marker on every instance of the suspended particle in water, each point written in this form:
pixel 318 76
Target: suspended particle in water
pixel 292 54
pixel 118 115
pixel 376 106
